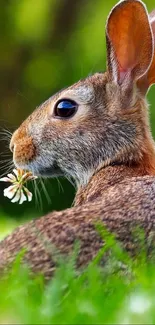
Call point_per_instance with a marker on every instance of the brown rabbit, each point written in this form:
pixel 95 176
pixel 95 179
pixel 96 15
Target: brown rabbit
pixel 96 132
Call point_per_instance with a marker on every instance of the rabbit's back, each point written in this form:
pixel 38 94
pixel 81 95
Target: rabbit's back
pixel 124 207
pixel 96 132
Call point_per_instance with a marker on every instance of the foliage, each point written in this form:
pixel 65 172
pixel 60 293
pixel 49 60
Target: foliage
pixel 46 46
pixel 121 292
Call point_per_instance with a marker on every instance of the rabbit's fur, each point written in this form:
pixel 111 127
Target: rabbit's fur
pixel 106 147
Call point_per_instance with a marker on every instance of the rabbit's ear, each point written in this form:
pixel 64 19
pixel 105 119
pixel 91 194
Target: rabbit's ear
pixel 149 78
pixel 129 41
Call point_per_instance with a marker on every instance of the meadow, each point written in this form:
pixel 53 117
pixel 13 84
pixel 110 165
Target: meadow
pixel 121 292
pixel 45 46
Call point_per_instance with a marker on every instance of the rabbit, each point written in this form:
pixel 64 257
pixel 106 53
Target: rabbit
pixel 96 132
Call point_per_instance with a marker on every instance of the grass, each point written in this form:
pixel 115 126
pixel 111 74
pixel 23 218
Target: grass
pixel 123 291
pixel 8 224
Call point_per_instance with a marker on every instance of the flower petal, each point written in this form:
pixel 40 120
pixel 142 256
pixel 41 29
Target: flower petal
pixel 25 177
pixel 28 176
pixel 32 177
pixel 12 177
pixel 16 197
pixel 22 197
pixel 5 179
pixel 28 193
pixel 10 191
pixel 17 173
pixel 18 192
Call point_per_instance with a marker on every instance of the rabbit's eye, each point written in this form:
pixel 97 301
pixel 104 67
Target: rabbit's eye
pixel 65 108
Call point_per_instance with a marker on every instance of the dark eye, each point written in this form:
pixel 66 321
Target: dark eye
pixel 65 108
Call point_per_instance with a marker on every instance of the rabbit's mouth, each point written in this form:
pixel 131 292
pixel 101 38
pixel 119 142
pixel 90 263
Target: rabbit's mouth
pixel 26 157
pixel 53 171
pixel 40 170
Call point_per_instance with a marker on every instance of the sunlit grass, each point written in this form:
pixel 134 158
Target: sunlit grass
pixel 8 224
pixel 120 292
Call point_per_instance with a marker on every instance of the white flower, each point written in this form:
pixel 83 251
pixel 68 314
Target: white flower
pixel 17 192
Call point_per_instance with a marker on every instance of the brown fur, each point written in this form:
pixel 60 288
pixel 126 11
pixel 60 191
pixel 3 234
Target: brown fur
pixel 120 203
pixel 106 147
pixel 25 150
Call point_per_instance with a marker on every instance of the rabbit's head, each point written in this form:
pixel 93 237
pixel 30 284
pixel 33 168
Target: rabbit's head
pixel 102 119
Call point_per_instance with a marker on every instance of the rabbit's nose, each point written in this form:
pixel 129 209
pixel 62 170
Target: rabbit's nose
pixel 22 146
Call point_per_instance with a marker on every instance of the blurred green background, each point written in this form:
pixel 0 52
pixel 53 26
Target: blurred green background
pixel 46 45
